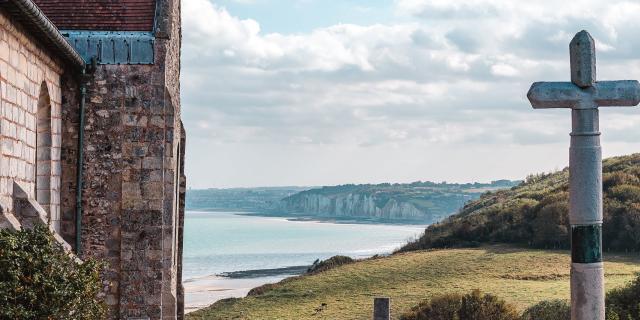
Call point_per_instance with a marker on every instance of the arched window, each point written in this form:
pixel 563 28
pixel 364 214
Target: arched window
pixel 43 149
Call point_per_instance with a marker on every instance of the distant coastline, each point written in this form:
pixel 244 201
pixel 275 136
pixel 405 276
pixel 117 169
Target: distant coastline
pixel 416 203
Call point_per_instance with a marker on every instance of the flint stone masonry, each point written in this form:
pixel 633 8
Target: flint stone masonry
pixel 133 177
pixel 128 199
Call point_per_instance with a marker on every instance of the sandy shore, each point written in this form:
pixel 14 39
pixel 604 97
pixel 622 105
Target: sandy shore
pixel 204 291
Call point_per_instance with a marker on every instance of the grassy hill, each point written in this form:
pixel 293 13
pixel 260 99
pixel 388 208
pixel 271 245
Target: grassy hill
pixel 520 276
pixel 535 213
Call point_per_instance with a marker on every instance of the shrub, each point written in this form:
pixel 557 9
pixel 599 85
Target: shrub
pixel 548 310
pixel 333 262
pixel 444 307
pixel 626 192
pixel 472 306
pixel 478 306
pixel 621 304
pixel 39 280
pixel 260 290
pixel 624 303
pixel 613 179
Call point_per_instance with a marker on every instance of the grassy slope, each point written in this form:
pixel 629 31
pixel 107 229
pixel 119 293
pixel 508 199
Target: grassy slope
pixel 535 213
pixel 521 276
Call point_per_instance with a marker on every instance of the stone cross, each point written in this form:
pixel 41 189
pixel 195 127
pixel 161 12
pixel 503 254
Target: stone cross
pixel 583 95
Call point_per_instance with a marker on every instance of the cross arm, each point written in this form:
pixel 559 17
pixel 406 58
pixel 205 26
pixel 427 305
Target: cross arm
pixel 544 95
pixel 568 95
pixel 623 93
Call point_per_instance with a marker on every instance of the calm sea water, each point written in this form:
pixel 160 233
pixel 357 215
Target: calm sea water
pixel 223 242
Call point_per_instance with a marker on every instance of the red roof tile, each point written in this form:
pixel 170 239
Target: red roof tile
pixel 105 15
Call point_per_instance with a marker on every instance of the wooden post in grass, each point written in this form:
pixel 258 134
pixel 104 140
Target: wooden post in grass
pixel 381 308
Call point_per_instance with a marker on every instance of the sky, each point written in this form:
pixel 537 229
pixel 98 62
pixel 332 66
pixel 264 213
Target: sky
pixel 327 92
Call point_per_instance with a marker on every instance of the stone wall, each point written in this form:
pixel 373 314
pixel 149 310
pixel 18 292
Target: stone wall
pixel 132 176
pixel 133 163
pixel 30 119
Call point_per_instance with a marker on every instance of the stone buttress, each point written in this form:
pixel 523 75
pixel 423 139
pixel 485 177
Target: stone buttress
pixel 133 181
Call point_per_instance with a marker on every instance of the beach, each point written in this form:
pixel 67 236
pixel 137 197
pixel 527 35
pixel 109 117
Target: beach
pixel 226 254
pixel 206 290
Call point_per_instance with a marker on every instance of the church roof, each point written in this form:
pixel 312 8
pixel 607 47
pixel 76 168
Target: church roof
pixel 28 14
pixel 103 15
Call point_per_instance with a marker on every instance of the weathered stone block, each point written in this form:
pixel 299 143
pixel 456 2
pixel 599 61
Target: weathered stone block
pixel 152 190
pixel 152 163
pixel 155 205
pixel 131 190
pixel 157 121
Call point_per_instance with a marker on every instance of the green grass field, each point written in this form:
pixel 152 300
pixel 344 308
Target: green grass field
pixel 520 276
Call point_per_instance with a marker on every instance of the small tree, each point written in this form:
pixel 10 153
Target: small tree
pixel 39 280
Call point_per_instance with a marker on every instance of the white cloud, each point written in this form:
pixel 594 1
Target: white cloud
pixel 212 32
pixel 454 74
pixel 502 69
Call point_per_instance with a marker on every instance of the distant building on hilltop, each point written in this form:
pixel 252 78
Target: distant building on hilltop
pixel 98 81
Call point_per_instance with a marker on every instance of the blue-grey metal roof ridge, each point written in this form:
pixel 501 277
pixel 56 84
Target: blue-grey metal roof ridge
pixel 113 47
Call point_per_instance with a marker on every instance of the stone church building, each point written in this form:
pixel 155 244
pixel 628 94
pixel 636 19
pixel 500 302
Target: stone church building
pixel 91 141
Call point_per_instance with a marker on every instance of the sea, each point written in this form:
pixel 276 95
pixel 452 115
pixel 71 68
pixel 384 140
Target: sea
pixel 217 245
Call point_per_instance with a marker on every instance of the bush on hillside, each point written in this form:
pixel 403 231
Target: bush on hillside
pixel 472 306
pixel 624 303
pixel 324 265
pixel 260 290
pixel 621 304
pixel 535 213
pixel 443 307
pixel 39 280
pixel 478 306
pixel 548 310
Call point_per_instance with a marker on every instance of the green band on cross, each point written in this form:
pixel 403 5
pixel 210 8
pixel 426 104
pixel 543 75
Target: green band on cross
pixel 586 243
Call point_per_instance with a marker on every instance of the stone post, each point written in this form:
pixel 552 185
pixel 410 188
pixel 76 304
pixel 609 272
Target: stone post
pixel 381 308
